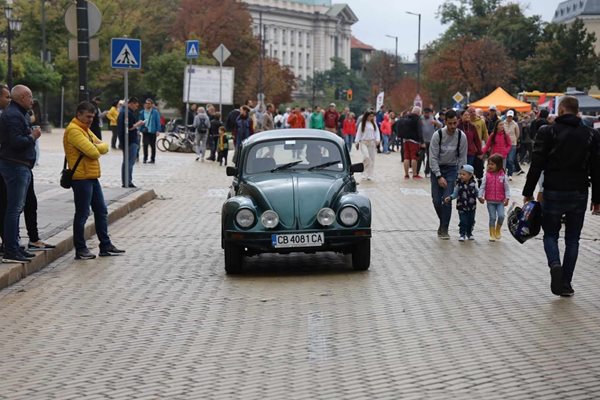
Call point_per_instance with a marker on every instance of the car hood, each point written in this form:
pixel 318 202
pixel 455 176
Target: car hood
pixel 296 198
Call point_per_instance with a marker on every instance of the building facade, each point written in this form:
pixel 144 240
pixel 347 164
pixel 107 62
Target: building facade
pixel 586 10
pixel 304 34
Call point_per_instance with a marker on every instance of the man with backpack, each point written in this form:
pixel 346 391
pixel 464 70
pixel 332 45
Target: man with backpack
pixel 202 125
pixel 447 152
pixel 568 153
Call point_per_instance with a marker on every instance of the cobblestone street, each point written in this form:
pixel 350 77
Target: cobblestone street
pixel 431 319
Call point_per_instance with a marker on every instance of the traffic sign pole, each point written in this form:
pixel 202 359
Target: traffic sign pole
pixel 125 171
pixel 82 48
pixel 187 98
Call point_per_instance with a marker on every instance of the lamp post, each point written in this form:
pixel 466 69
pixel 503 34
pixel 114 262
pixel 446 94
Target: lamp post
pixel 418 52
pixel 13 25
pixel 396 55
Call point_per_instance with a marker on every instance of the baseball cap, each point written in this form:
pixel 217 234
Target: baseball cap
pixel 468 168
pixel 510 113
pixel 332 105
pixel 493 107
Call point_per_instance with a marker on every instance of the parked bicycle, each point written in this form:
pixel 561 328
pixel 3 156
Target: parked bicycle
pixel 179 139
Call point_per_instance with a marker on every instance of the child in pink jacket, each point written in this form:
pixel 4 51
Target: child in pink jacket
pixel 495 191
pixel 499 142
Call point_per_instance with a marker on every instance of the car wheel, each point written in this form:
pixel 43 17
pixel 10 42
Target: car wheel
pixel 361 255
pixel 234 258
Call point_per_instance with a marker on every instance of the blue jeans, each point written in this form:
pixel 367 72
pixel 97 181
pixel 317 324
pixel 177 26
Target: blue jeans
pixel 349 140
pixel 467 222
pixel 511 159
pixel 17 178
pixel 438 194
pixel 86 193
pixel 386 143
pixel 496 212
pixel 133 151
pixel 572 205
pixel 471 160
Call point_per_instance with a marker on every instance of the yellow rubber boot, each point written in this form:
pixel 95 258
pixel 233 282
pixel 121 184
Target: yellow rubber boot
pixel 492 234
pixel 498 231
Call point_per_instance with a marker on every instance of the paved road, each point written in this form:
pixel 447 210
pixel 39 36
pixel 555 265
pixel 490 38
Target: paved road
pixel 430 320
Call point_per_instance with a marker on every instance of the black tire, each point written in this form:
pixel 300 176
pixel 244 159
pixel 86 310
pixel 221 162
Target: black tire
pixel 162 144
pixel 234 258
pixel 361 255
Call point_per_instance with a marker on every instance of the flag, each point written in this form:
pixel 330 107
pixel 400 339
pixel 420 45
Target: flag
pixel 380 97
pixel 542 99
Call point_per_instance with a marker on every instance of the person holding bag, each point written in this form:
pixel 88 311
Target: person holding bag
pixel 79 141
pixel 367 141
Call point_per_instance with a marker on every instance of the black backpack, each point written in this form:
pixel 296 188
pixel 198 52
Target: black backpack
pixel 202 126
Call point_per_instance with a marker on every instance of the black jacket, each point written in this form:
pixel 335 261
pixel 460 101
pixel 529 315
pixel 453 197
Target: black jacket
pixel 16 143
pixel 535 126
pixel 568 153
pixel 132 118
pixel 410 128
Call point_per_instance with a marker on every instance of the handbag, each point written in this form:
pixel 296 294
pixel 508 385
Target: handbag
pixel 66 176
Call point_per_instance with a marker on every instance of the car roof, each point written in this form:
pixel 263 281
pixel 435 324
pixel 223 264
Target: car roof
pixel 293 134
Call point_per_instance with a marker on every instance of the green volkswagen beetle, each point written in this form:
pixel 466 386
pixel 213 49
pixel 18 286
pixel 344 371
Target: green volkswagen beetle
pixel 293 191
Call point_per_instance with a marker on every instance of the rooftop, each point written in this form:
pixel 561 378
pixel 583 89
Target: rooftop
pixel 571 9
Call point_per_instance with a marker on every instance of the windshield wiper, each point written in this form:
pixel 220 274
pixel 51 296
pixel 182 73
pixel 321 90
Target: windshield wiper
pixel 324 165
pixel 286 166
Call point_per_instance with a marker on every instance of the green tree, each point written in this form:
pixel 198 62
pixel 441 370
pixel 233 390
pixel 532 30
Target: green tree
pixel 564 57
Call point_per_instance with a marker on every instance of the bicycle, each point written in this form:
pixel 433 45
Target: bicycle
pixel 181 139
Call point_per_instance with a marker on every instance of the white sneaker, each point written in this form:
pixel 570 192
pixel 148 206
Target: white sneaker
pixel 462 238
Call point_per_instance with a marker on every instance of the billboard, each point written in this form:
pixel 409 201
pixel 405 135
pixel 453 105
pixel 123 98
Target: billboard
pixel 204 84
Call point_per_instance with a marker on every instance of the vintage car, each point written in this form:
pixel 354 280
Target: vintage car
pixel 293 191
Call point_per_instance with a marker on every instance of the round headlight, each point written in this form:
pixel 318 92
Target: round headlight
pixel 244 218
pixel 326 216
pixel 348 216
pixel 269 219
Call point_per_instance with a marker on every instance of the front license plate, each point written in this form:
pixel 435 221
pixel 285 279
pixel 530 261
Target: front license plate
pixel 298 240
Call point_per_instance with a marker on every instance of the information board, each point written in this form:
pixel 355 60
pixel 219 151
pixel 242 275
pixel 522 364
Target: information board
pixel 204 84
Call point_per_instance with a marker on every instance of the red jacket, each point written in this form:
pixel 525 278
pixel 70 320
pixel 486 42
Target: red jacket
pixel 386 125
pixel 473 140
pixel 331 119
pixel 296 120
pixel 349 127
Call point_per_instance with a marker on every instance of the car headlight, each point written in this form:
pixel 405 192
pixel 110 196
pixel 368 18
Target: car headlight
pixel 348 215
pixel 269 219
pixel 326 216
pixel 245 218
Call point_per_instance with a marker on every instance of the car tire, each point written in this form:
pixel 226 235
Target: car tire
pixel 361 255
pixel 234 258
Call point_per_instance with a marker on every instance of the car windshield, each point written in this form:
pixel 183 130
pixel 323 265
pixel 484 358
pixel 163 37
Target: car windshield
pixel 296 154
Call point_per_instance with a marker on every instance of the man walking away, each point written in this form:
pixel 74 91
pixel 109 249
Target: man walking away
pixel 447 151
pixel 568 153
pixel 202 126
pixel 428 126
pixel 80 141
pixel 413 141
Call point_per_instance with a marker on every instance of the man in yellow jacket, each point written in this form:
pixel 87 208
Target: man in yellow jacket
pixel 79 141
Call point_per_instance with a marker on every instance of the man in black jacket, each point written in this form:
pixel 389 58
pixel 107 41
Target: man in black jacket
pixel 413 142
pixel 568 153
pixel 17 157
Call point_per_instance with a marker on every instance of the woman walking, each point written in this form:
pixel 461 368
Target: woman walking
pixel 367 140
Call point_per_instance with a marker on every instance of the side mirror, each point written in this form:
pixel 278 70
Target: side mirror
pixel 358 167
pixel 231 171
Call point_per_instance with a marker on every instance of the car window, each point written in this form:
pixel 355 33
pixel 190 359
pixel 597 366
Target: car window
pixel 303 154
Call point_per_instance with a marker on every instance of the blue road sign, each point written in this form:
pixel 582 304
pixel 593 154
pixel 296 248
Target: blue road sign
pixel 457 106
pixel 192 48
pixel 126 53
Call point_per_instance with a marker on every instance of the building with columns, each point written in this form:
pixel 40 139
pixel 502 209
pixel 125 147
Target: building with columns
pixel 304 34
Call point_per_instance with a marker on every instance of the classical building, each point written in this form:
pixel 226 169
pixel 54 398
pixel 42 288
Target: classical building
pixel 304 34
pixel 586 10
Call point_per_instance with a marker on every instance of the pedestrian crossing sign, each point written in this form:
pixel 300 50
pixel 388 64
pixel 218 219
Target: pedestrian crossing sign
pixel 126 53
pixel 192 48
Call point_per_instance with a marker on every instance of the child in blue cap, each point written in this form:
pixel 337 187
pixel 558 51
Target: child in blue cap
pixel 465 193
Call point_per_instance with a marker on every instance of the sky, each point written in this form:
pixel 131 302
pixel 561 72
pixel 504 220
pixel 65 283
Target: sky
pixel 378 18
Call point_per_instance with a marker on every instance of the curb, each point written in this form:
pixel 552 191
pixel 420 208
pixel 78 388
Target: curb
pixel 12 273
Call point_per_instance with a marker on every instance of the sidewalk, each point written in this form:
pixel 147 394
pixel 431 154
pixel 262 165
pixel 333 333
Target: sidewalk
pixel 56 208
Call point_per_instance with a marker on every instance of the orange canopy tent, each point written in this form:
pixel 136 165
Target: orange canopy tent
pixel 502 100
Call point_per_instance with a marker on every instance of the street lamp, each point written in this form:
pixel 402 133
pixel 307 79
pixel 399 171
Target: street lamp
pixel 13 25
pixel 418 52
pixel 395 59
